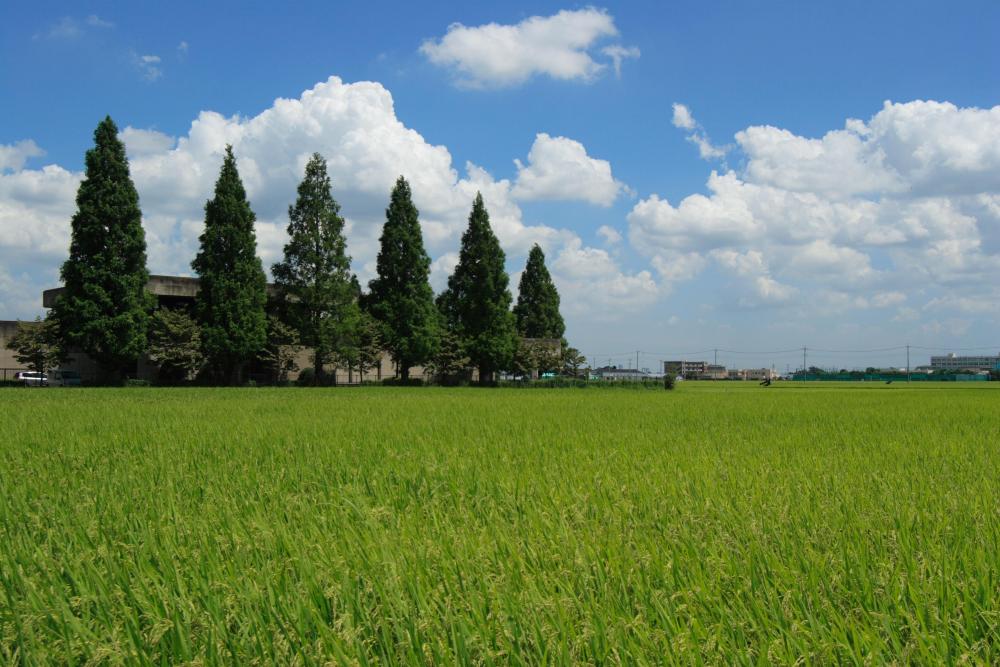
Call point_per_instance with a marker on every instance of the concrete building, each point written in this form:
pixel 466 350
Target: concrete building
pixel 714 372
pixel 760 374
pixel 179 291
pixel 685 369
pixel 8 364
pixel 954 363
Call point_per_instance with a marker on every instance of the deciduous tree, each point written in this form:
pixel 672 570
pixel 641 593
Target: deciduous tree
pixel 175 345
pixel 37 345
pixel 314 278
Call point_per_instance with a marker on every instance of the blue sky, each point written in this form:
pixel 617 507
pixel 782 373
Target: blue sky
pixel 873 236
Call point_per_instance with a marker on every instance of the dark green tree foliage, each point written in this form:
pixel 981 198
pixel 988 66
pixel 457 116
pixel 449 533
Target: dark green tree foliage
pixel 368 351
pixel 36 345
pixel 400 297
pixel 104 307
pixel 572 361
pixel 537 309
pixel 319 298
pixel 232 296
pixel 476 304
pixel 449 366
pixel 175 345
pixel 283 346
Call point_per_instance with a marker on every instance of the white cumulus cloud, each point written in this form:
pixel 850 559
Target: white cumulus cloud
pixel 559 168
pixel 866 216
pixel 13 156
pixel 355 127
pixel 557 46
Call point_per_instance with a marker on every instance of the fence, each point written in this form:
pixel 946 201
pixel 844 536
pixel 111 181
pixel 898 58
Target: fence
pixel 7 374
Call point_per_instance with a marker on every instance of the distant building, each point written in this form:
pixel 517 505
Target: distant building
pixel 760 374
pixel 8 364
pixel 615 373
pixel 180 292
pixel 953 363
pixel 685 369
pixel 714 372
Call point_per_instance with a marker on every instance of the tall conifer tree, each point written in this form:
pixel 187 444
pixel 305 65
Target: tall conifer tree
pixel 537 309
pixel 104 308
pixel 314 277
pixel 233 291
pixel 400 297
pixel 476 304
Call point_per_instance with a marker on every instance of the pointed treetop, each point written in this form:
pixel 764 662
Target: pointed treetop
pixel 537 309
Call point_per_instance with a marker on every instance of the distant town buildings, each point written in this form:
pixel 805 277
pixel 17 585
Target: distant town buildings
pixel 702 370
pixel 620 374
pixel 954 363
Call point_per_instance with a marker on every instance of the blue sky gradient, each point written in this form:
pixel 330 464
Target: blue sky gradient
pixel 802 67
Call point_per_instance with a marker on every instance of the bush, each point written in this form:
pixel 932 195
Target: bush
pixel 307 377
pixel 132 382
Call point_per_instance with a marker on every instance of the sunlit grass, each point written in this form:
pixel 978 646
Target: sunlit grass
pixel 718 523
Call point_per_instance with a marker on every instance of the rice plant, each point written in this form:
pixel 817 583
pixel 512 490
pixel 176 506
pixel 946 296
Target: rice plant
pixel 719 523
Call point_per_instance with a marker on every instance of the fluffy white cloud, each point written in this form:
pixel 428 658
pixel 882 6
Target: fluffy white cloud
pixel 13 156
pixel 591 283
pixel 139 142
pixel 495 55
pixel 917 187
pixel 559 168
pixel 682 117
pixel 367 147
pixel 759 286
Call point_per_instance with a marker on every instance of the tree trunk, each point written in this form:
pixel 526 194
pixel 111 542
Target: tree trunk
pixel 404 373
pixel 236 374
pixel 317 367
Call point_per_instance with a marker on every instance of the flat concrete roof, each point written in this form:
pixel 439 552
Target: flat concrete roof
pixel 175 286
pixel 178 287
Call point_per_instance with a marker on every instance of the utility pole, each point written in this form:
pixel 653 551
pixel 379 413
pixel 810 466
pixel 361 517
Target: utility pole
pixel 716 357
pixel 907 362
pixel 637 360
pixel 804 364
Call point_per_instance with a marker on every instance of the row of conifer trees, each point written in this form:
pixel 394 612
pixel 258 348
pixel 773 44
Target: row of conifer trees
pixel 106 312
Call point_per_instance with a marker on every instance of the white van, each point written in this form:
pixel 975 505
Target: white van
pixel 32 379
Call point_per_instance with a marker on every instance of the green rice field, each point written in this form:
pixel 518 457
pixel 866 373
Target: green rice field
pixel 718 523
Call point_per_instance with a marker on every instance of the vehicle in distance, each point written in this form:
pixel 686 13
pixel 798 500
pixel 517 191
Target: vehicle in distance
pixel 61 378
pixel 32 378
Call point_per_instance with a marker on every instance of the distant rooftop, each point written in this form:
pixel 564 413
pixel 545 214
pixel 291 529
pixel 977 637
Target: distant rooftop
pixel 166 287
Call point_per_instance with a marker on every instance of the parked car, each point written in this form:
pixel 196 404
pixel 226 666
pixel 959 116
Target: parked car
pixel 61 378
pixel 32 379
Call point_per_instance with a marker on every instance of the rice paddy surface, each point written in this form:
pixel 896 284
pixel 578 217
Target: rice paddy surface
pixel 719 523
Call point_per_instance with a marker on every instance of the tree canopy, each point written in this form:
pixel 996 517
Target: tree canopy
pixel 314 279
pixel 400 296
pixel 476 304
pixel 104 307
pixel 233 291
pixel 537 309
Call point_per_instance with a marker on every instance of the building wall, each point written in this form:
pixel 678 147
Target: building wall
pixel 957 363
pixel 8 364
